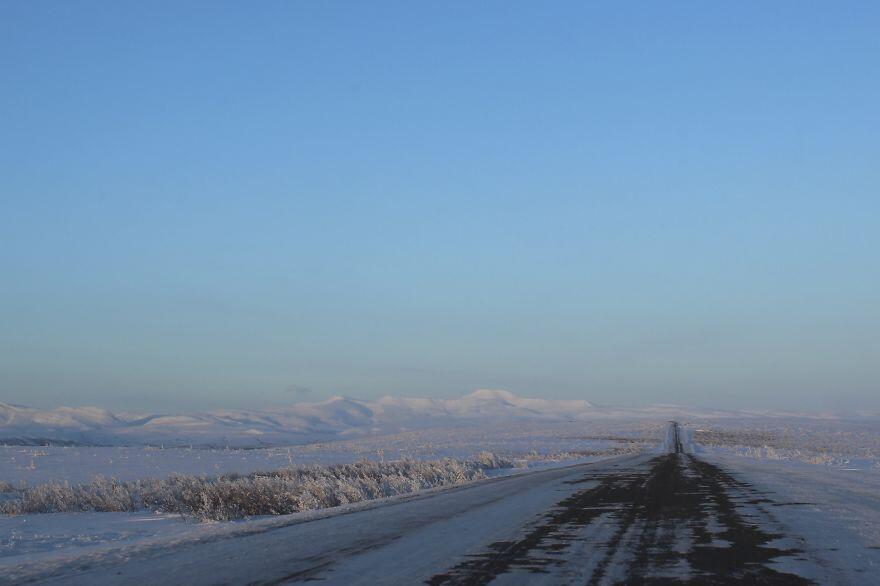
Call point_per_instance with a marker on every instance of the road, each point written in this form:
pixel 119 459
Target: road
pixel 663 517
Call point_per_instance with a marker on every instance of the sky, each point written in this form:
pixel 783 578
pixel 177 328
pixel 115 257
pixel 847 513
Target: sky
pixel 235 204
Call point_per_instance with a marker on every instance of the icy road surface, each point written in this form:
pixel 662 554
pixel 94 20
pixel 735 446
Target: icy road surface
pixel 666 517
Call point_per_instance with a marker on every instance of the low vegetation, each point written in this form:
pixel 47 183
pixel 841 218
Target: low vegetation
pixel 234 496
pixel 820 443
pixel 619 450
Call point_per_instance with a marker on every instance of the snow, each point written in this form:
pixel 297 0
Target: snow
pixel 824 471
pixel 298 423
pixel 835 512
pixel 538 445
pixel 301 423
pixel 26 536
pixel 840 443
pixel 440 532
pixel 407 539
pixel 532 441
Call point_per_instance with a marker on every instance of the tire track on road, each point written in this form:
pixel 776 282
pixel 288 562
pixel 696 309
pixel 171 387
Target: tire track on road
pixel 677 519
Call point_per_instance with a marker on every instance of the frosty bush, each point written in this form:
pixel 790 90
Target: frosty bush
pixel 829 443
pixel 234 496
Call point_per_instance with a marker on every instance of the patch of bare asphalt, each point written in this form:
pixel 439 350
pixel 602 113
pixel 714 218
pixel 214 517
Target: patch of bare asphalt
pixel 651 507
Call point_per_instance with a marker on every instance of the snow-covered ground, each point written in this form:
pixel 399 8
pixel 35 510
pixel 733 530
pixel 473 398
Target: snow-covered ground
pixel 824 472
pixel 834 511
pixel 841 443
pixel 27 536
pixel 533 444
pixel 527 440
pixel 825 519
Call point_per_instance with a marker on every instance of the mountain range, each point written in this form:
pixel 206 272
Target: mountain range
pixel 334 418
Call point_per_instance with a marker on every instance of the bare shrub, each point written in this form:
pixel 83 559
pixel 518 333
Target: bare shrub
pixel 233 496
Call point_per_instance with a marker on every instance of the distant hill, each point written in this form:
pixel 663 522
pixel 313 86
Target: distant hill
pixel 334 418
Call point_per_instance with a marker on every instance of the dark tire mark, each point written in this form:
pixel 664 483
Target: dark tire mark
pixel 671 498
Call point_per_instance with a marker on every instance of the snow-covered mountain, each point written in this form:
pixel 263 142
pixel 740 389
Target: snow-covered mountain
pixel 301 422
pixel 333 418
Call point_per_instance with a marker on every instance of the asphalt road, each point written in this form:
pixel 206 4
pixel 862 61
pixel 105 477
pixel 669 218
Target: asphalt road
pixel 671 519
pixel 665 517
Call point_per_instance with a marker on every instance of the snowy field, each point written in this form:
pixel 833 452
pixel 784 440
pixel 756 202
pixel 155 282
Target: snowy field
pixel 531 445
pixel 826 468
pixel 836 510
pixel 532 442
pixel 839 443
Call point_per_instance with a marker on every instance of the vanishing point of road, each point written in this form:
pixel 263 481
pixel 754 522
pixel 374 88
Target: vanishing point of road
pixel 656 518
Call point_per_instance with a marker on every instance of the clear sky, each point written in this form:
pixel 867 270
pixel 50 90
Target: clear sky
pixel 245 204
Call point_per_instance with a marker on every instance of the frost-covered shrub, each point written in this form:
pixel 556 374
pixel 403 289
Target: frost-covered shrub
pixel 833 442
pixel 234 496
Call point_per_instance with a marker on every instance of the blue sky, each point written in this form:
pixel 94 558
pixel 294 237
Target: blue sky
pixel 229 204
